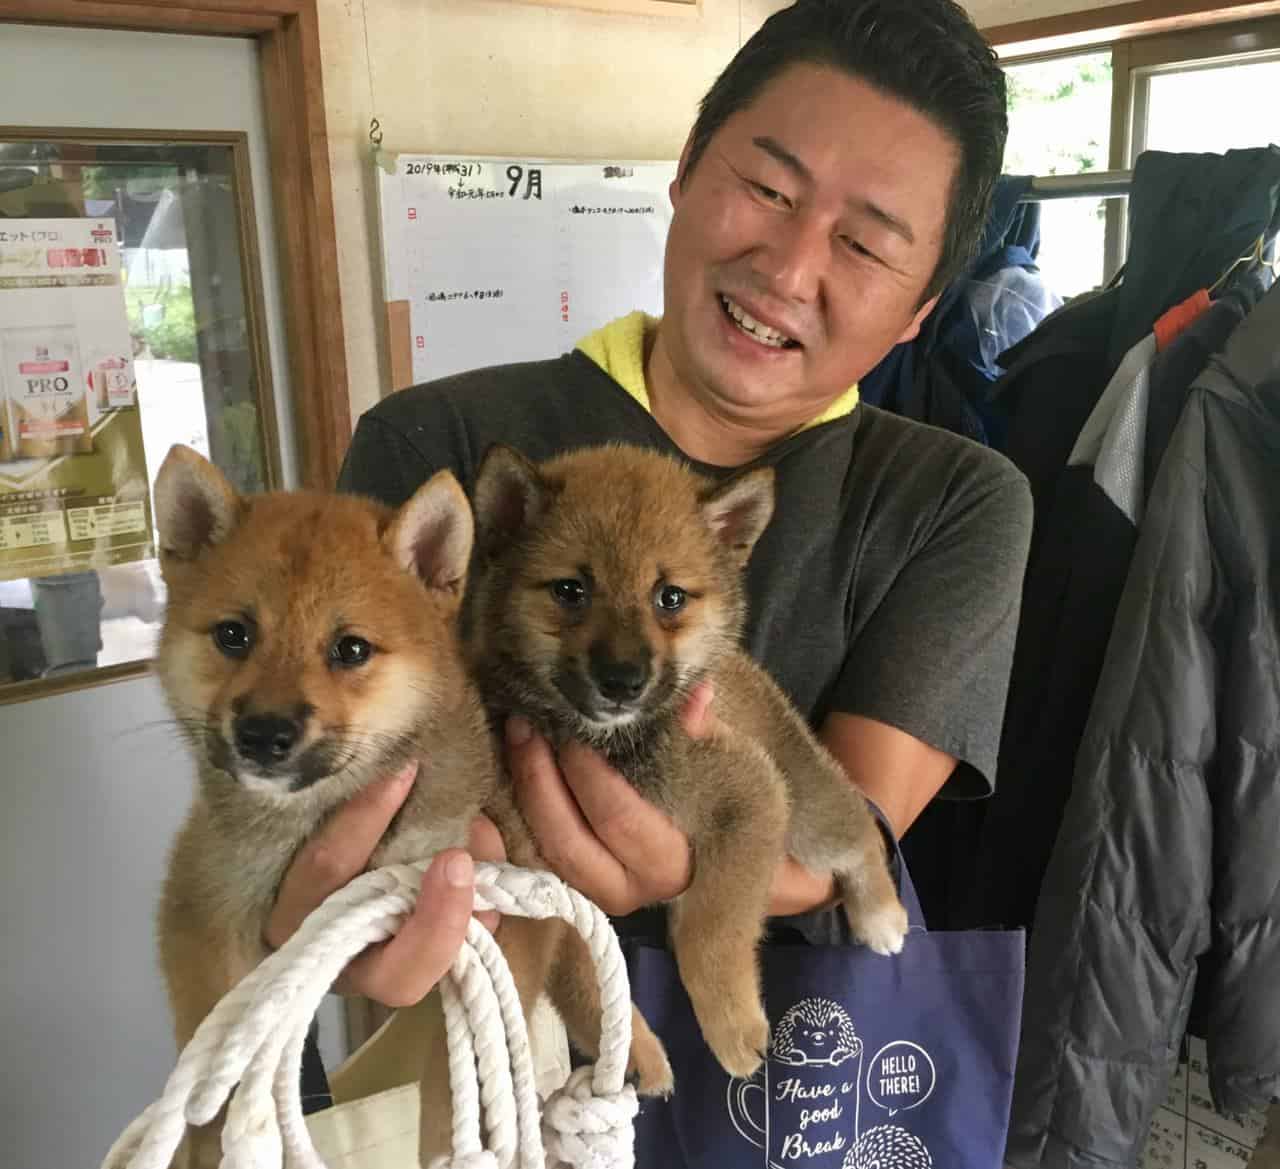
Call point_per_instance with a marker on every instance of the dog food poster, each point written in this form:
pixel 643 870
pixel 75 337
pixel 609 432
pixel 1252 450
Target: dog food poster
pixel 73 478
pixel 500 260
pixel 1188 1134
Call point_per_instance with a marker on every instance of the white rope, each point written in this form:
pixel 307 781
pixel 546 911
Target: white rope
pixel 254 1038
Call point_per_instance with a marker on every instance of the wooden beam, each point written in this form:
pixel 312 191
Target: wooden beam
pixel 1116 22
pixel 144 15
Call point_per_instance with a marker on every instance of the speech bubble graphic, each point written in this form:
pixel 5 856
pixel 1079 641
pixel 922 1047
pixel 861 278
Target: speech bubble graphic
pixel 901 1076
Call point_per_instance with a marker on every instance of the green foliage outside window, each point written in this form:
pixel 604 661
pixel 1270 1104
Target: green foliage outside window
pixel 1059 115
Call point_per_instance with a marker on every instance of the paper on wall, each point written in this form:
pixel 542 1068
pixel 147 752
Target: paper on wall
pixel 502 260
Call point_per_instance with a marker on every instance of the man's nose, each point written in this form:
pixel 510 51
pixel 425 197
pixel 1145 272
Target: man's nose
pixel 793 261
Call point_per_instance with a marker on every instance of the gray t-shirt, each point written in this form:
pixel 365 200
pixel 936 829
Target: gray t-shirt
pixel 886 585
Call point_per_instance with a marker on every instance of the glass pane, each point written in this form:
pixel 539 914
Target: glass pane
pixel 1073 244
pixel 1059 115
pixel 1214 109
pixel 72 599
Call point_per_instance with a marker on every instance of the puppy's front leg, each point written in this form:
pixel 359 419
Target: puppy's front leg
pixel 716 924
pixel 200 966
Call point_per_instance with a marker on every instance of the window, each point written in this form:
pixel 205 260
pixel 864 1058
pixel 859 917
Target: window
pixel 1082 113
pixel 1060 124
pixel 1206 92
pixel 150 335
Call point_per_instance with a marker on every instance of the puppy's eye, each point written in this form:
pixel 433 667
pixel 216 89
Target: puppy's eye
pixel 350 651
pixel 572 594
pixel 233 638
pixel 670 598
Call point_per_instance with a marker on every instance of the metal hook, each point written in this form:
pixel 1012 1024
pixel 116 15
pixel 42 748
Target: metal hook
pixel 375 132
pixel 1254 256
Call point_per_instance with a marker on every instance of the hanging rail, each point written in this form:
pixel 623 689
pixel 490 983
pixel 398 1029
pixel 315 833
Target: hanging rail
pixel 1103 184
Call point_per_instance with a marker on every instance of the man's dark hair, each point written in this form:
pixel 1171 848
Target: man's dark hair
pixel 926 53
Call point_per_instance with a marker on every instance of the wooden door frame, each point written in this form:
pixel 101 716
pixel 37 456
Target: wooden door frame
pixel 287 32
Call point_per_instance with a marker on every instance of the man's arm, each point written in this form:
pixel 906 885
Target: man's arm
pixel 894 770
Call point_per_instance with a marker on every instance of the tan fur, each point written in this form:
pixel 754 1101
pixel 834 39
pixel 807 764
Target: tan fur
pixel 625 523
pixel 304 570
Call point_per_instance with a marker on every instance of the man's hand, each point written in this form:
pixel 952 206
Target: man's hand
pixel 594 830
pixel 399 971
pixel 600 835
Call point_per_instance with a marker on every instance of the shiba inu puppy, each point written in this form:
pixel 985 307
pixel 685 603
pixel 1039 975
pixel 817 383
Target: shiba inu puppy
pixel 310 645
pixel 606 584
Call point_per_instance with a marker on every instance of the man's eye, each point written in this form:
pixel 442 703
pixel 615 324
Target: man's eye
pixel 572 594
pixel 670 598
pixel 770 194
pixel 856 248
pixel 233 638
pixel 350 651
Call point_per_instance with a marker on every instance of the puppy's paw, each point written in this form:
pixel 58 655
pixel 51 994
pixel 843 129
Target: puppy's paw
pixel 647 1066
pixel 883 929
pixel 740 1044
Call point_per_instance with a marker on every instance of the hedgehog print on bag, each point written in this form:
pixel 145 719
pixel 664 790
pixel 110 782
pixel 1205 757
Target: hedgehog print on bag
pixel 815 1031
pixel 888 1147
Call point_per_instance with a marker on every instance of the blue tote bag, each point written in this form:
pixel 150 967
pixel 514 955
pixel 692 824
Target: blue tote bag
pixel 874 1063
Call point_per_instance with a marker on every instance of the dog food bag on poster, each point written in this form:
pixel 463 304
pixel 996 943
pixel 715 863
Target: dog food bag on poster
pixel 111 381
pixel 46 391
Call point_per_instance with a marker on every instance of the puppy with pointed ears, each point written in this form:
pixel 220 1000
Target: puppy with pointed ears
pixel 607 583
pixel 310 645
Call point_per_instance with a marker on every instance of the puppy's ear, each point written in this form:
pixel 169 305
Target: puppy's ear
pixel 196 507
pixel 510 495
pixel 739 509
pixel 431 534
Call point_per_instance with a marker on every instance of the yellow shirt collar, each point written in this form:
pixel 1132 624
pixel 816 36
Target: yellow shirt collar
pixel 618 349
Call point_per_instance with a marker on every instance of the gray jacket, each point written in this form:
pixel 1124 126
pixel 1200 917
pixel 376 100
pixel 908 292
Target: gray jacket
pixel 1167 864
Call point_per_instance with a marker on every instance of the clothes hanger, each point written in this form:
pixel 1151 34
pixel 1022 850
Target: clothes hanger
pixel 1254 256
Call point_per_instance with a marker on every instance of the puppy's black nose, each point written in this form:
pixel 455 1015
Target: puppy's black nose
pixel 266 738
pixel 620 681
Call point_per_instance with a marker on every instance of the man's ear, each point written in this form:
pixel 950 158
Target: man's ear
pixel 432 533
pixel 739 509
pixel 912 331
pixel 676 189
pixel 510 495
pixel 196 507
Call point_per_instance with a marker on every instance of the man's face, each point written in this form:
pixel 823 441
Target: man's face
pixel 802 243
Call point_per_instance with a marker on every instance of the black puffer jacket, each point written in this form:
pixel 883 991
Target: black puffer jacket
pixel 1168 860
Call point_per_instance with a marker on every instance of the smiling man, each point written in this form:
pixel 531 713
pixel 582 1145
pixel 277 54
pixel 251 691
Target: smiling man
pixel 837 177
